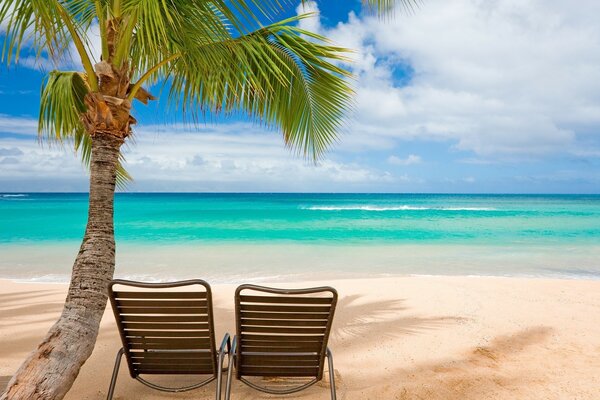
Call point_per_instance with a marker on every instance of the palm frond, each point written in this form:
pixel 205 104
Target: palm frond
pixel 34 23
pixel 275 74
pixel 62 102
pixel 48 27
pixel 387 7
pixel 160 29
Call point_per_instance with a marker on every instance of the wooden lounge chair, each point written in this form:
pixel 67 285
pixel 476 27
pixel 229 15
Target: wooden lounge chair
pixel 282 333
pixel 167 332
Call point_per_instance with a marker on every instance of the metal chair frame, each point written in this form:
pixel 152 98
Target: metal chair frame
pixel 236 355
pixel 224 349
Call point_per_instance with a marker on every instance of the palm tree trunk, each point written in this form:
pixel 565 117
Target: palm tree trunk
pixel 49 372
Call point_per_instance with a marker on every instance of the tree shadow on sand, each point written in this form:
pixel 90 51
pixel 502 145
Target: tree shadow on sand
pixel 23 308
pixel 362 323
pixel 485 372
pixel 21 311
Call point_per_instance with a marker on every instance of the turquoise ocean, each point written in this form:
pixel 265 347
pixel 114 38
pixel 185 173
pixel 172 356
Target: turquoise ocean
pixel 234 237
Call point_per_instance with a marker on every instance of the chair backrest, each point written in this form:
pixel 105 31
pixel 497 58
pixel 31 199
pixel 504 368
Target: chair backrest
pixel 283 332
pixel 165 331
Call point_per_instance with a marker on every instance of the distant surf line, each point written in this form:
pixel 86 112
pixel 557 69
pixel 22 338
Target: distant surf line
pixel 394 208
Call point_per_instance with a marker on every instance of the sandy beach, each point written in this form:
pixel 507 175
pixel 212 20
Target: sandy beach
pixel 393 338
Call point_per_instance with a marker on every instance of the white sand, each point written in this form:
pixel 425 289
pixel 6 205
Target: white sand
pixel 393 338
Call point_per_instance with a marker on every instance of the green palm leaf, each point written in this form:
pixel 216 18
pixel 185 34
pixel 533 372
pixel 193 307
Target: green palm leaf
pixel 279 74
pixel 62 102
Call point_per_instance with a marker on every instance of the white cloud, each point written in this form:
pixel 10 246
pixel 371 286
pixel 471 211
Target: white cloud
pixel 18 125
pixel 410 160
pixel 500 78
pixel 311 24
pixel 236 155
pixel 70 58
pixel 10 151
pixel 226 157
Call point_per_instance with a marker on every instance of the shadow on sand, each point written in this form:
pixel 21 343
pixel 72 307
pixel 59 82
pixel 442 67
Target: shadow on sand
pixel 359 322
pixel 483 373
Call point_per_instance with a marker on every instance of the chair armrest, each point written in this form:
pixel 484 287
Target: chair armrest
pixel 225 345
pixel 234 345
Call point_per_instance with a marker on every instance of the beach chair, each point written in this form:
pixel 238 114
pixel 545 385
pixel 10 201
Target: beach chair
pixel 167 332
pixel 281 338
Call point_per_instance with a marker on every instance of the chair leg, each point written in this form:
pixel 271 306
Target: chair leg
pixel 115 374
pixel 219 375
pixel 331 374
pixel 230 366
pixel 229 376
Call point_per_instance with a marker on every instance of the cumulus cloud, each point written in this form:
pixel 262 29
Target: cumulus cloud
pixel 18 125
pixel 497 78
pixel 238 155
pixel 312 23
pixel 227 157
pixel 409 160
pixel 12 151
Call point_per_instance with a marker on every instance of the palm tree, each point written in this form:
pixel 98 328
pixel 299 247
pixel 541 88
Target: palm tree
pixel 212 56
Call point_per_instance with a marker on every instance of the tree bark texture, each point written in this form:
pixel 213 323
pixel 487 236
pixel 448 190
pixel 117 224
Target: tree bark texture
pixel 50 370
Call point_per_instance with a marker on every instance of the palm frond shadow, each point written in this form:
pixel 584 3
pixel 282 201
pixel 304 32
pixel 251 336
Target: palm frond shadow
pixel 7 298
pixel 23 307
pixel 480 373
pixel 370 321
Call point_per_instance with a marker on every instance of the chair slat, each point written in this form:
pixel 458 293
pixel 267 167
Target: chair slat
pixel 286 308
pixel 258 362
pixel 281 349
pixel 286 299
pixel 174 364
pixel 173 326
pixel 164 318
pixel 162 303
pixel 180 342
pixel 274 357
pixel 159 295
pixel 278 371
pixel 172 372
pixel 169 370
pixel 285 338
pixel 299 323
pixel 164 346
pixel 171 355
pixel 167 334
pixel 162 310
pixel 276 329
pixel 282 316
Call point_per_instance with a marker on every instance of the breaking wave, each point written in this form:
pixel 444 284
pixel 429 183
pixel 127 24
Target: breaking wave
pixel 395 208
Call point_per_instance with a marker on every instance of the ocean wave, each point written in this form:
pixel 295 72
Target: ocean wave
pixel 44 278
pixel 13 195
pixel 395 208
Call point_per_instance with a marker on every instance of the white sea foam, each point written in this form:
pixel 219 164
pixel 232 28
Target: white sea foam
pixel 394 208
pixel 42 278
pixel 12 195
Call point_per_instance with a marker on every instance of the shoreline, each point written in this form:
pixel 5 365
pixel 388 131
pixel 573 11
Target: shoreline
pixel 288 279
pixel 232 263
pixel 449 338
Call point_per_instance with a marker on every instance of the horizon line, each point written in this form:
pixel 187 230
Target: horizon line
pixel 340 193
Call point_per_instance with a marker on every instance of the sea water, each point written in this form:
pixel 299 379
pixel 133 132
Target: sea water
pixel 266 236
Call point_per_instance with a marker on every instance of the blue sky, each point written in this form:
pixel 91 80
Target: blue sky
pixel 464 96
